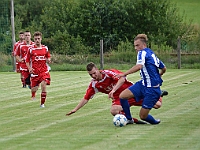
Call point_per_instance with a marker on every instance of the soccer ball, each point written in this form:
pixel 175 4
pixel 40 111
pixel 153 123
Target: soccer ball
pixel 119 120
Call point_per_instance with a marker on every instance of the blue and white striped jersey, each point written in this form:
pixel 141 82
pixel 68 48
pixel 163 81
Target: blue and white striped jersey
pixel 150 70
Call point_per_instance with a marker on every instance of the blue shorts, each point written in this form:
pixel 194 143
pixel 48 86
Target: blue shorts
pixel 150 95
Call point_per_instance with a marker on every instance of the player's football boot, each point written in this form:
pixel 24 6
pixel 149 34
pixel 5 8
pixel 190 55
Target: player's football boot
pixel 130 122
pixel 140 122
pixel 42 106
pixel 157 122
pixel 29 86
pixel 163 93
pixel 33 98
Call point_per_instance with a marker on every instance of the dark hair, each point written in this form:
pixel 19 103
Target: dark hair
pixel 21 32
pixel 90 66
pixel 37 33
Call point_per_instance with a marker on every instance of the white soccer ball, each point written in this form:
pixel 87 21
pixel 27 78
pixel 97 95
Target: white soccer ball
pixel 119 120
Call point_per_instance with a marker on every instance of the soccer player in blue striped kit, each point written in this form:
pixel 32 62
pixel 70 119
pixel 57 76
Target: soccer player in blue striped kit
pixel 148 88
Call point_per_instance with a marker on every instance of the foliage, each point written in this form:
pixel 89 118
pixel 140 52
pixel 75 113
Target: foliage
pixel 76 27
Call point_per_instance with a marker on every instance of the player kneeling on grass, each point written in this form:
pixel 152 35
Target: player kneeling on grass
pixel 36 61
pixel 105 81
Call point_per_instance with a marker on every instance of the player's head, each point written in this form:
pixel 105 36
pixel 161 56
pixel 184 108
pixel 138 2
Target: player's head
pixel 27 36
pixel 21 35
pixel 37 38
pixel 93 71
pixel 140 42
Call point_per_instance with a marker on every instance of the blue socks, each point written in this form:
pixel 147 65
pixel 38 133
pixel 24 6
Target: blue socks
pixel 126 108
pixel 151 120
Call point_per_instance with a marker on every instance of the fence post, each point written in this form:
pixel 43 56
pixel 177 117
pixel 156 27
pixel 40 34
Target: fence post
pixel 101 55
pixel 179 52
pixel 13 30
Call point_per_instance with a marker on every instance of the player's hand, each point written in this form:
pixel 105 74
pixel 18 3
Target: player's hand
pixel 30 70
pixel 110 95
pixel 49 60
pixel 71 112
pixel 21 60
pixel 120 75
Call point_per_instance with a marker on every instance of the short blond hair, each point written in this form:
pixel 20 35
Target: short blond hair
pixel 142 37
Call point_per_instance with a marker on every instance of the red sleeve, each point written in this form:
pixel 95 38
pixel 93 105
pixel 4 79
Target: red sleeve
pixel 48 54
pixel 28 55
pixel 14 49
pixel 17 51
pixel 90 92
pixel 112 74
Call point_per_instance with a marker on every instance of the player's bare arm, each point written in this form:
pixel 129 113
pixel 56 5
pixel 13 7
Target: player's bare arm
pixel 116 87
pixel 162 71
pixel 19 59
pixel 49 60
pixel 81 104
pixel 134 69
pixel 29 68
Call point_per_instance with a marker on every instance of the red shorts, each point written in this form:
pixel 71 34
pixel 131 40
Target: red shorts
pixel 131 102
pixel 25 74
pixel 17 67
pixel 37 79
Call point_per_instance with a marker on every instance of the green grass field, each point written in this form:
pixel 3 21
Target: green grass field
pixel 191 8
pixel 26 126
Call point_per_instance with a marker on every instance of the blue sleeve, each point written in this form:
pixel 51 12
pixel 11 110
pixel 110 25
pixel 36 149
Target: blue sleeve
pixel 161 65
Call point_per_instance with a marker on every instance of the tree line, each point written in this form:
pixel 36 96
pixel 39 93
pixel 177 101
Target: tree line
pixel 76 26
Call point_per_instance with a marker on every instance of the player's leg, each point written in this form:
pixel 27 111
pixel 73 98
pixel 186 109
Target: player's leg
pixel 158 103
pixel 28 79
pixel 132 91
pixel 43 93
pixel 117 109
pixel 151 97
pixel 124 96
pixel 23 78
pixel 34 86
pixel 46 81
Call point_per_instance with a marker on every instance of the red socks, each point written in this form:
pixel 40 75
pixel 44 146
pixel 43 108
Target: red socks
pixel 33 94
pixel 43 97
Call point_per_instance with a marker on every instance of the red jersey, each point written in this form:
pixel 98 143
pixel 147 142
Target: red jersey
pixel 21 52
pixel 37 57
pixel 106 85
pixel 15 47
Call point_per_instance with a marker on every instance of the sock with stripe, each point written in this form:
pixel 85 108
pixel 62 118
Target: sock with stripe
pixel 43 97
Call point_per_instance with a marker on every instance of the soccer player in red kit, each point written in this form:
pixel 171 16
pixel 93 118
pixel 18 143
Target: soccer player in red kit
pixel 36 61
pixel 21 52
pixel 21 40
pixel 17 64
pixel 105 81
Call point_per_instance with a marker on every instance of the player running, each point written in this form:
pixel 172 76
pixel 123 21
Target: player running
pixel 21 56
pixel 17 64
pixel 37 57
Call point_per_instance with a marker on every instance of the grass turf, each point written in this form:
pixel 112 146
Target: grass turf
pixel 24 125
